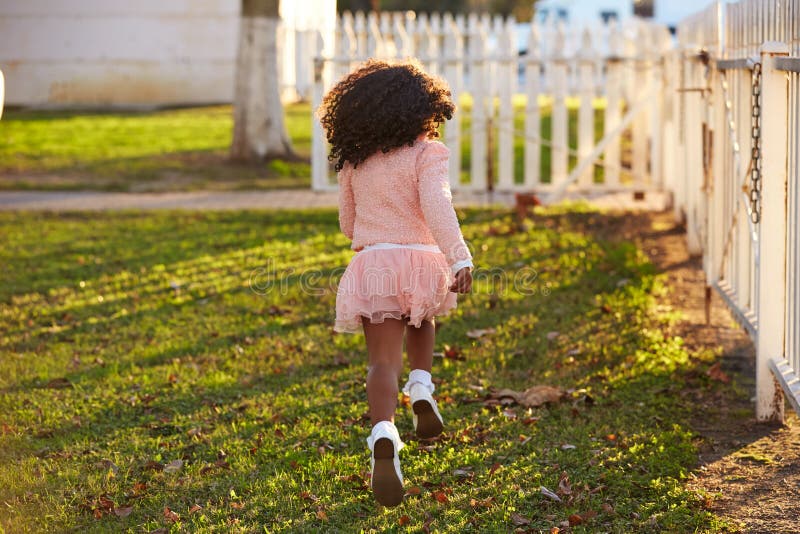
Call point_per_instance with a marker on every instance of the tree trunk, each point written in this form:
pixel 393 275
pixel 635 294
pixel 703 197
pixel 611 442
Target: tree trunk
pixel 258 127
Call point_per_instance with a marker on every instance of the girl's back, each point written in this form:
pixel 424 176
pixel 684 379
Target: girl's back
pixel 402 196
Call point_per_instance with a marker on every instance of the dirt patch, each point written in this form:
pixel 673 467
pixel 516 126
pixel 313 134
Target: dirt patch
pixel 750 470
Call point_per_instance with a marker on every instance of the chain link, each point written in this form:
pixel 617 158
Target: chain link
pixel 755 162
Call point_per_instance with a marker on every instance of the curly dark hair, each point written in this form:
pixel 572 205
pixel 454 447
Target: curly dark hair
pixel 380 106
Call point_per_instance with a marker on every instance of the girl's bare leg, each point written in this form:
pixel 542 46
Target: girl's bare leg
pixel 385 348
pixel 419 345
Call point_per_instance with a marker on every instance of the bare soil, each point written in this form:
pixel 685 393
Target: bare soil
pixel 750 470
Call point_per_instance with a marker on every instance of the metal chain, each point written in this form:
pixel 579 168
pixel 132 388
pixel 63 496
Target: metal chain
pixel 755 162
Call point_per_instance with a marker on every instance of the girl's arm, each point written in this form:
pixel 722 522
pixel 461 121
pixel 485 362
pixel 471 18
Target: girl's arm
pixel 436 201
pixel 347 204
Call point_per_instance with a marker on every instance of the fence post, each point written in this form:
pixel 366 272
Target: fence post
pixel 319 156
pixel 453 70
pixel 386 28
pixel 479 85
pixel 405 41
pixel 586 111
pixel 611 158
pixel 375 46
pixel 362 36
pixel 533 124
pixel 639 83
pixel 772 232
pixel 559 118
pixel 347 46
pixel 693 155
pixel 506 80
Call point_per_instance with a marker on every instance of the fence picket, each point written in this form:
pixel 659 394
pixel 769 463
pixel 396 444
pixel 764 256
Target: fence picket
pixel 558 72
pixel 506 81
pixel 480 120
pixel 558 67
pixel 362 37
pixel 755 264
pixel 613 106
pixel 533 127
pixel 585 69
pixel 453 70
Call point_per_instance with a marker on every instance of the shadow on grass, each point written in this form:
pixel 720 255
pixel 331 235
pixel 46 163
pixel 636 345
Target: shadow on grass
pixel 300 389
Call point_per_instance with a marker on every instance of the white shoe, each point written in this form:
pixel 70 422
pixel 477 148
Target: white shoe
pixel 387 479
pixel 428 421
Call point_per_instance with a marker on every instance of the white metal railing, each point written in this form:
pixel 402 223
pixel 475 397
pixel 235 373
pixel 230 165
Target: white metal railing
pixel 562 69
pixel 739 103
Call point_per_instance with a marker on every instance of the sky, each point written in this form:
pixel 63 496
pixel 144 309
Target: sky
pixel 666 11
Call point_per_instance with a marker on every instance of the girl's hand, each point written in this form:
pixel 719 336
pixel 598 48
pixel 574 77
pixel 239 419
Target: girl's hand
pixel 463 281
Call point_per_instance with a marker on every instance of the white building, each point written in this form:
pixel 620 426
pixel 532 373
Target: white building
pixel 667 12
pixel 143 52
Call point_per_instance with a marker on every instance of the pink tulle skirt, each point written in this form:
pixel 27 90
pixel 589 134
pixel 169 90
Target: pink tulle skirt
pixel 398 283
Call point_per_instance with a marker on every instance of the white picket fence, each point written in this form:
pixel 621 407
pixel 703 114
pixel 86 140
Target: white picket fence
pixel 739 187
pixel 563 72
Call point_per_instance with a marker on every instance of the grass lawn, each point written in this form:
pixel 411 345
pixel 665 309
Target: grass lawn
pixel 178 371
pixel 186 149
pixel 179 149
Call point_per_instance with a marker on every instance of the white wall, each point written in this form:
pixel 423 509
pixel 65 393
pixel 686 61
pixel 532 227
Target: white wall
pixel 136 52
pixel 118 51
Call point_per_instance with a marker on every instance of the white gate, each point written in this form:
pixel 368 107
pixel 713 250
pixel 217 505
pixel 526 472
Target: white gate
pixel 510 77
pixel 739 136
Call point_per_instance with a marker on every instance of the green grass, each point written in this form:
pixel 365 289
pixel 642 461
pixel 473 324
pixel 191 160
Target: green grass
pixel 187 149
pixel 179 149
pixel 132 341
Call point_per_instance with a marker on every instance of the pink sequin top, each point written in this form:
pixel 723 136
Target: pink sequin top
pixel 402 197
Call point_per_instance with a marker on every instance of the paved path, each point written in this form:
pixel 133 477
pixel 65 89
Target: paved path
pixel 235 200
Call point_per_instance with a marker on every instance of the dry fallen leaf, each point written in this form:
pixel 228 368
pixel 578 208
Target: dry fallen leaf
pixel 549 494
pixel 174 466
pixel 441 497
pixel 539 395
pixel 413 490
pixel 464 472
pixel 321 515
pixel 564 487
pixel 480 332
pixel 171 516
pixel 195 508
pixel 105 503
pixel 483 503
pixel 123 511
pixel 715 372
pixel 403 520
pixel 520 520
pixel 453 353
pixel 575 519
pixel 530 398
pixel 59 383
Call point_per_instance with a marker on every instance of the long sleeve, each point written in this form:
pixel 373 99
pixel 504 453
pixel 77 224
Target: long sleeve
pixel 436 202
pixel 347 204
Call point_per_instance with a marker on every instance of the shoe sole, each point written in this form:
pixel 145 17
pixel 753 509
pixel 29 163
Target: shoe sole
pixel 428 425
pixel 386 485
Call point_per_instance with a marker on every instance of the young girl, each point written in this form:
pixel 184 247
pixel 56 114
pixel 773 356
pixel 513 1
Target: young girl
pixel 396 207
